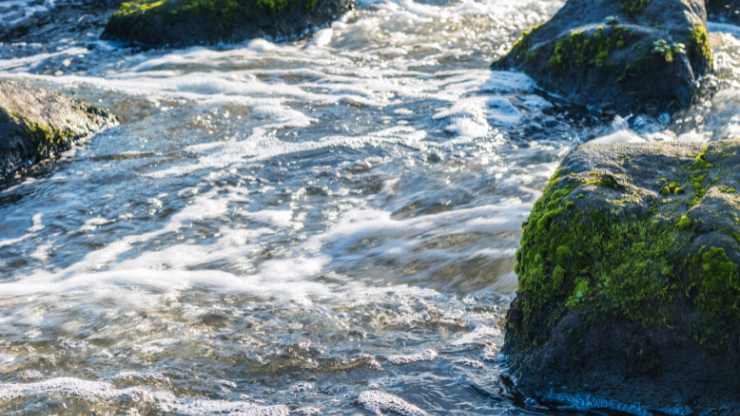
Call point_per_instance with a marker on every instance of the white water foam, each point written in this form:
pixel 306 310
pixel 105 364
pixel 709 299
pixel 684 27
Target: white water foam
pixel 378 402
pixel 134 397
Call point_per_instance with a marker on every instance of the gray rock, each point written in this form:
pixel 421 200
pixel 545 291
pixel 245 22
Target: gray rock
pixel 629 280
pixel 37 124
pixel 623 55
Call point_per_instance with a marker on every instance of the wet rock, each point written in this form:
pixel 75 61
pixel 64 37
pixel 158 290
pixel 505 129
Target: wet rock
pixel 623 55
pixel 47 21
pixel 154 23
pixel 37 124
pixel 629 280
pixel 724 11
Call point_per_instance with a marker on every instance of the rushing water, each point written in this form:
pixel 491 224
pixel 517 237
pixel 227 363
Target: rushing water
pixel 315 227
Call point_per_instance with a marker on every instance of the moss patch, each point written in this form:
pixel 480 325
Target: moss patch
pixel 581 49
pixel 700 43
pixel 634 7
pixel 138 6
pixel 224 9
pixel 615 265
pixel 603 180
pixel 522 45
pixel 719 284
pixel 616 260
pixel 699 175
pixel 672 188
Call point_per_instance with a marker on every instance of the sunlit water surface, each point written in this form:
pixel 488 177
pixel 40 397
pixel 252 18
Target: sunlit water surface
pixel 317 227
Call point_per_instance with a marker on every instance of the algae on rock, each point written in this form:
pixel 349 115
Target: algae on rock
pixel 36 124
pixel 154 23
pixel 640 241
pixel 627 56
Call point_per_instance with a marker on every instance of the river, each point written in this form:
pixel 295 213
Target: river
pixel 315 227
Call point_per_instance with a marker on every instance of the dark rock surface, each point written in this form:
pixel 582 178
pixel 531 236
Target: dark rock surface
pixel 629 280
pixel 37 124
pixel 62 19
pixel 623 55
pixel 153 23
pixel 726 11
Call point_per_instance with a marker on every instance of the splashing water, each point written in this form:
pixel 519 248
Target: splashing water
pixel 316 227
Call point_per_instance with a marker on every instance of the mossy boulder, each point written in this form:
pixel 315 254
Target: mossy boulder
pixel 37 124
pixel 623 55
pixel 155 23
pixel 724 10
pixel 629 279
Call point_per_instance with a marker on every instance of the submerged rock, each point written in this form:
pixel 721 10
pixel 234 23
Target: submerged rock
pixel 36 124
pixel 154 23
pixel 629 279
pixel 724 10
pixel 54 19
pixel 623 55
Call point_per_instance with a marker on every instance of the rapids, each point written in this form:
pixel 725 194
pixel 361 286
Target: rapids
pixel 316 227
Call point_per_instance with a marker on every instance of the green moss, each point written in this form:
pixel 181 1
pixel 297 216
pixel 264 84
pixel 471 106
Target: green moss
pixel 311 4
pixel 220 11
pixel 603 180
pixel 577 255
pixel 671 188
pixel 634 7
pixel 621 265
pixel 273 5
pixel 138 6
pixel 698 175
pixel 718 281
pixel 727 189
pixel 581 49
pixel 684 222
pixel 700 43
pixel 579 294
pixel 46 139
pixel 522 45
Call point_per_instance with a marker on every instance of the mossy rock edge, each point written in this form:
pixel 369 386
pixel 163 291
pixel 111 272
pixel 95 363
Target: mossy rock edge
pixel 37 124
pixel 629 278
pixel 624 56
pixel 157 23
